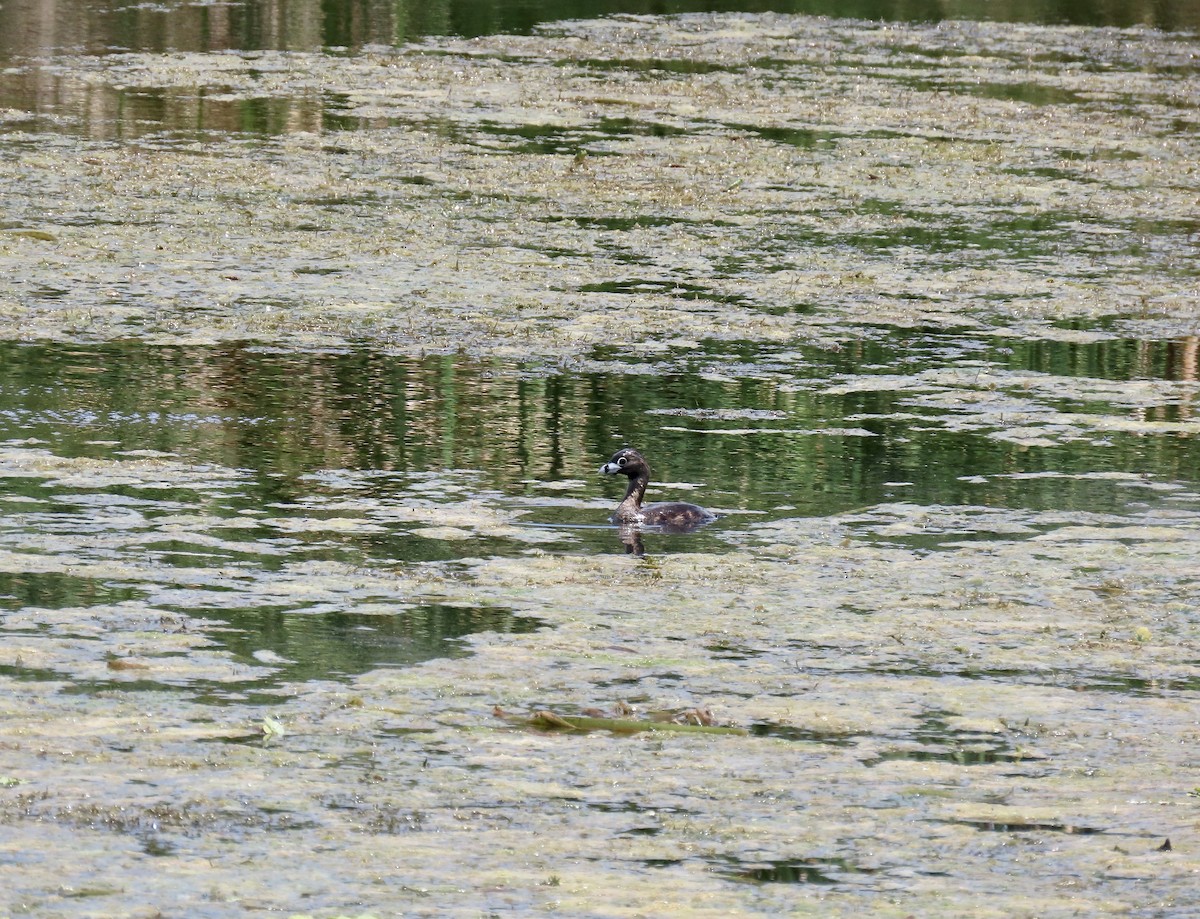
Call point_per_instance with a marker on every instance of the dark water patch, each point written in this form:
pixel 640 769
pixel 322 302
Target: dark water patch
pixel 232 655
pixel 820 871
pixel 805 138
pixel 809 735
pixel 628 806
pixel 990 826
pixel 926 530
pixel 856 610
pixel 958 757
pixel 1030 92
pixel 339 645
pixel 154 818
pixel 223 696
pixel 182 554
pixel 644 831
pixel 647 820
pixel 1019 238
pixel 934 739
pixel 931 740
pixel 72 686
pixel 1076 680
pixel 56 590
pixel 1054 174
pixel 156 847
pixel 49 293
pixel 733 652
pixel 622 224
pixel 23 673
pixel 1109 355
pixel 679 290
pixel 1096 153
pixel 1126 684
pixel 552 139
pixel 640 681
pixel 624 126
pixel 655 65
pixel 391 822
pixel 808 138
pixel 976 237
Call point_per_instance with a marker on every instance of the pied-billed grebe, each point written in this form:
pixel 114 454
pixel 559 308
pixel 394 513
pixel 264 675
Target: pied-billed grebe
pixel 671 516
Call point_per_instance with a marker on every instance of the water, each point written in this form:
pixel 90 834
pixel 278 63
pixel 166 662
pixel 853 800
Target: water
pixel 804 427
pixel 311 346
pixel 279 458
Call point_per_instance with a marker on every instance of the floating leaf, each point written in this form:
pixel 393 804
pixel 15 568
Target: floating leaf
pixel 548 720
pixel 35 234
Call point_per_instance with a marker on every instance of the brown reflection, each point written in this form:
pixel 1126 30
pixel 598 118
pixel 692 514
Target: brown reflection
pixel 39 27
pixel 1184 354
pixel 369 411
pixel 102 112
pixel 33 30
pixel 1185 362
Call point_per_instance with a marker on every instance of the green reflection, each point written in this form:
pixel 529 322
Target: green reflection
pixel 333 645
pixel 756 432
pixel 54 590
pixel 101 26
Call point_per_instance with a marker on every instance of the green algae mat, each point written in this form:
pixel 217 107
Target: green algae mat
pixel 308 600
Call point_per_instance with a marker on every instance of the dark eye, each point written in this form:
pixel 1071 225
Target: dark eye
pixel 622 461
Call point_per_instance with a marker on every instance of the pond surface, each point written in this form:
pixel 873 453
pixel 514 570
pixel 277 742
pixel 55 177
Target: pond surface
pixel 316 322
pixel 113 26
pixel 32 38
pixel 927 417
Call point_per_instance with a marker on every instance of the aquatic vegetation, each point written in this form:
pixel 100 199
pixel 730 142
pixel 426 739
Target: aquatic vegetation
pixel 809 169
pixel 689 721
pixel 295 485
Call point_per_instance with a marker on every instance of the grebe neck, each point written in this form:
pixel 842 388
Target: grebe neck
pixel 632 502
